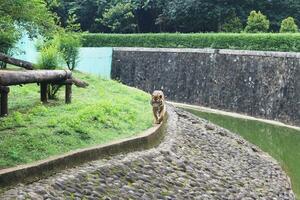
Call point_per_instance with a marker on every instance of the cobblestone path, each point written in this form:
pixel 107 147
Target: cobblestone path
pixel 196 160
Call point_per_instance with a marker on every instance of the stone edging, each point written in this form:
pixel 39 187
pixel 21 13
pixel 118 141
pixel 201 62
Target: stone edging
pixel 232 114
pixel 34 171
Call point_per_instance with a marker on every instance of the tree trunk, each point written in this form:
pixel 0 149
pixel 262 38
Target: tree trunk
pixel 17 62
pixel 34 76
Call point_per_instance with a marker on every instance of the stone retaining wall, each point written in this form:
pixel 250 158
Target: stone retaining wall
pixel 261 84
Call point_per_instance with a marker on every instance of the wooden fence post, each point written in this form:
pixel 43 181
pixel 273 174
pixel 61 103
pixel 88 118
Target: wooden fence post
pixel 4 100
pixel 68 95
pixel 44 92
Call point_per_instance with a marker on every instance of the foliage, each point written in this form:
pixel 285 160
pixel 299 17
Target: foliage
pixel 257 22
pixel 108 111
pixel 244 41
pixel 176 15
pixel 234 25
pixel 68 45
pixel 22 15
pixel 8 37
pixel 72 24
pixel 8 34
pixel 31 15
pixel 49 57
pixel 119 18
pixel 288 25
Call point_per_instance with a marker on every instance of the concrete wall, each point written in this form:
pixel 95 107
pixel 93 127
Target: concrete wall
pixel 263 84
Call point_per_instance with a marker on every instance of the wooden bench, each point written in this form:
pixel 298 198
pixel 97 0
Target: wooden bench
pixel 43 77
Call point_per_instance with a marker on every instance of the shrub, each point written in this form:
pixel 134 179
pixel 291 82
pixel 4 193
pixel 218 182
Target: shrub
pixel 243 41
pixel 49 57
pixel 234 25
pixel 288 25
pixel 257 22
pixel 69 47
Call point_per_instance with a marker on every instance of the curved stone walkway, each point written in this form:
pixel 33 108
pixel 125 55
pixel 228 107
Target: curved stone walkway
pixel 197 160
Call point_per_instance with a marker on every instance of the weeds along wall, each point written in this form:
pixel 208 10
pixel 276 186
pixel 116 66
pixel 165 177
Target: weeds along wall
pixel 262 84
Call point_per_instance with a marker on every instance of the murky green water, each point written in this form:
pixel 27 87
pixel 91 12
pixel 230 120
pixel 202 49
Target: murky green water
pixel 281 143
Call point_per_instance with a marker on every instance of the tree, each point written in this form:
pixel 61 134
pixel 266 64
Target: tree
pixel 257 22
pixel 120 18
pixel 8 36
pixel 22 15
pixel 72 24
pixel 233 25
pixel 68 45
pixel 29 15
pixel 173 15
pixel 288 25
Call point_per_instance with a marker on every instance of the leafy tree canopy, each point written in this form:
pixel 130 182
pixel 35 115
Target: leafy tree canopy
pixel 288 25
pixel 31 15
pixel 257 22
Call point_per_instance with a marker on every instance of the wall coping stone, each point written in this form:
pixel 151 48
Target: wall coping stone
pixel 210 51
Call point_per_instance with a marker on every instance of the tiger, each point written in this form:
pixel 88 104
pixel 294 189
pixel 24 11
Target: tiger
pixel 158 106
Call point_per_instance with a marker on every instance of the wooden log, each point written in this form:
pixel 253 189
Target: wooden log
pixel 68 94
pixel 34 76
pixel 79 83
pixel 30 66
pixel 75 81
pixel 44 92
pixel 4 100
pixel 17 62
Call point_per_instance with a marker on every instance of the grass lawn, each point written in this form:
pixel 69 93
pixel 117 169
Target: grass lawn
pixel 103 112
pixel 281 143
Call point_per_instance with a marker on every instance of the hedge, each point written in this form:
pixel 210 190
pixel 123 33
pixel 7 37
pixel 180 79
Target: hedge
pixel 244 41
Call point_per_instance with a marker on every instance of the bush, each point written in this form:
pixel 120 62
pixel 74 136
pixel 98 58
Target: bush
pixel 257 22
pixel 69 47
pixel 288 25
pixel 49 57
pixel 234 25
pixel 243 41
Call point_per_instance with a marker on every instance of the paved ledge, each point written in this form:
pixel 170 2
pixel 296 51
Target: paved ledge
pixel 40 169
pixel 211 51
pixel 231 114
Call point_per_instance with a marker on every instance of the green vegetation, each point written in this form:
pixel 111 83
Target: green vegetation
pixel 288 25
pixel 68 45
pixel 233 25
pixel 257 23
pixel 168 16
pixel 281 143
pixel 103 112
pixel 17 16
pixel 49 58
pixel 244 41
pixel 119 18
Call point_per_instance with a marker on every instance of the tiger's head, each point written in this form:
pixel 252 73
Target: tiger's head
pixel 157 98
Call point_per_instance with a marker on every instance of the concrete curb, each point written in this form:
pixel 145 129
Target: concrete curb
pixel 232 114
pixel 40 169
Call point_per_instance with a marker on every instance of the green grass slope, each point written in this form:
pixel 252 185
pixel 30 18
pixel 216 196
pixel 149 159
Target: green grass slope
pixel 103 112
